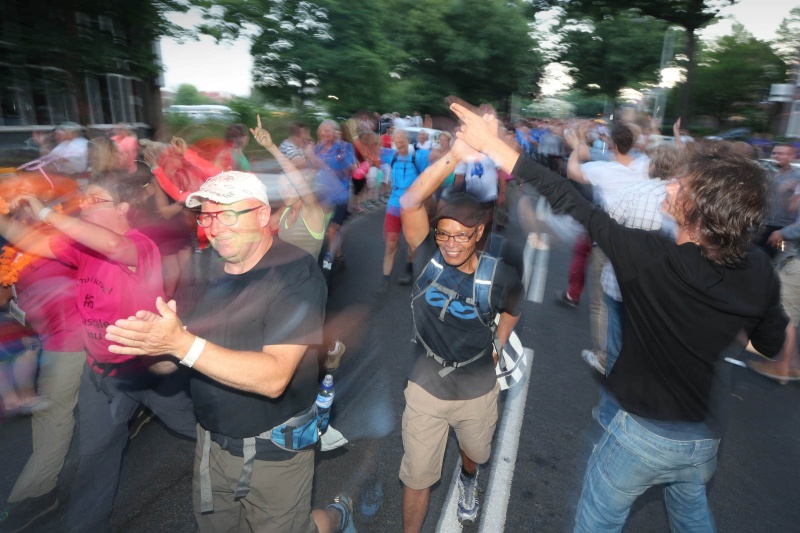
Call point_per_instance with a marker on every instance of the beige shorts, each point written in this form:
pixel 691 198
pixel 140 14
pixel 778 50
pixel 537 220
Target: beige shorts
pixel 279 499
pixel 427 421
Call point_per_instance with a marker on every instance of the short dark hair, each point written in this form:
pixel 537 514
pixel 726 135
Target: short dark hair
pixel 296 128
pixel 234 131
pixel 124 188
pixel 622 136
pixel 723 199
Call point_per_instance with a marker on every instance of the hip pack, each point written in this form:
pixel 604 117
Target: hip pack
pixel 301 432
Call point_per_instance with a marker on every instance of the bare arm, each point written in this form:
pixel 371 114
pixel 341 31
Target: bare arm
pixel 267 372
pixel 116 247
pixel 676 135
pixel 27 238
pixel 165 209
pixel 574 170
pixel 413 214
pixel 505 326
pixel 312 212
pixel 481 133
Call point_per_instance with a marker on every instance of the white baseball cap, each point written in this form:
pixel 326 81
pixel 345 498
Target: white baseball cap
pixel 229 187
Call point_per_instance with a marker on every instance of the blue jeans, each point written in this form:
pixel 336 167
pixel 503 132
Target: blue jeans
pixel 616 317
pixel 628 460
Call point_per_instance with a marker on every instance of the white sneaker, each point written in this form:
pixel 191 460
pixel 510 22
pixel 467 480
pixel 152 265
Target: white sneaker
pixel 593 361
pixel 335 356
pixel 468 504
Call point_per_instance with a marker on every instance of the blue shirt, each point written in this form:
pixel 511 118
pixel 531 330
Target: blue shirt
pixel 405 170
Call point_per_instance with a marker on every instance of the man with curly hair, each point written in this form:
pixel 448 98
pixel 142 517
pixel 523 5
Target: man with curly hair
pixel 688 301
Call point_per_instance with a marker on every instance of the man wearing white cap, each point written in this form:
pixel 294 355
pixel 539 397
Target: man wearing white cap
pixel 249 320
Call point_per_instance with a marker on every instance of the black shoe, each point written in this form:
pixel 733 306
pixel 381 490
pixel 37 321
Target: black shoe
pixel 21 515
pixel 562 298
pixel 142 417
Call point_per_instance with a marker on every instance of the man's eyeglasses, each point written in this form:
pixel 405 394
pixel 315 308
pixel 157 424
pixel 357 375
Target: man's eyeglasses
pixel 229 217
pixel 461 238
pixel 94 200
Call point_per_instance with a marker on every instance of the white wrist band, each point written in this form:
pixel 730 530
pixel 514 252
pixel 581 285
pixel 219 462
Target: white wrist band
pixel 194 352
pixel 44 212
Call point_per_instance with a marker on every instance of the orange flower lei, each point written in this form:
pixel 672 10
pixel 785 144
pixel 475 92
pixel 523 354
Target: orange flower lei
pixel 12 261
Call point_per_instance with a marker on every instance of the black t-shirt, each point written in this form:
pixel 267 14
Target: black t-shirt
pixel 460 335
pixel 682 311
pixel 279 301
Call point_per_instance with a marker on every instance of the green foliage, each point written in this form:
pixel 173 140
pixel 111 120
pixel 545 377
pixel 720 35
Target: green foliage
pixel 586 106
pixel 787 42
pixel 691 15
pixel 613 53
pixel 688 14
pixel 747 66
pixel 87 36
pixel 379 54
pixel 486 56
pixel 550 108
pixel 187 94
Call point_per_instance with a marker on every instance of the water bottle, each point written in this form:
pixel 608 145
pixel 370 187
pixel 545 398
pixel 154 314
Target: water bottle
pixel 325 399
pixel 327 261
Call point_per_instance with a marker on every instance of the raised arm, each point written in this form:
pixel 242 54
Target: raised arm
pixel 312 212
pixel 26 238
pixel 676 135
pixel 577 141
pixel 116 247
pixel 413 214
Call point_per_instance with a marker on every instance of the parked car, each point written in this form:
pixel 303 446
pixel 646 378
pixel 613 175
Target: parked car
pixel 736 134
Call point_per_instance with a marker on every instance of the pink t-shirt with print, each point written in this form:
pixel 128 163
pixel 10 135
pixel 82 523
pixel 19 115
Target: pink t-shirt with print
pixel 46 292
pixel 108 291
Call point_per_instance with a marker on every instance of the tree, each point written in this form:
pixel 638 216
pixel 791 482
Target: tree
pixel 187 94
pixel 690 15
pixel 747 66
pixel 787 43
pixel 376 54
pixel 328 50
pixel 480 50
pixel 612 53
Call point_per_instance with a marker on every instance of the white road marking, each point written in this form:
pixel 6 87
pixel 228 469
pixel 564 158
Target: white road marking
pixel 494 505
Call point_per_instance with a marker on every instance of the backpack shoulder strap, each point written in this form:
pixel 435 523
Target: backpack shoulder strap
pixel 429 274
pixel 482 289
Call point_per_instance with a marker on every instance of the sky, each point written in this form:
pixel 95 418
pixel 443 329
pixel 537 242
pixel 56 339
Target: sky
pixel 226 67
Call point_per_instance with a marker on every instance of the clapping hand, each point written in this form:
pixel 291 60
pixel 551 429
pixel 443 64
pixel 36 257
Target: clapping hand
pixel 150 333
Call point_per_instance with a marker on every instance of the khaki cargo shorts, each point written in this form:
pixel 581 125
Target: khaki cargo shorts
pixel 426 423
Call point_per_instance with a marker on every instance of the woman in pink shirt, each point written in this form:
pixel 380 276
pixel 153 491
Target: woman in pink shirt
pixel 118 272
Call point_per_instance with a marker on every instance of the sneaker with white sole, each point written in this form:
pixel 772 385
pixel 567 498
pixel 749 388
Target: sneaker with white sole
pixel 335 356
pixel 594 361
pixel 468 504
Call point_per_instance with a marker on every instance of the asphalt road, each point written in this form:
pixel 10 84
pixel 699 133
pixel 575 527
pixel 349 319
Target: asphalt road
pixel 755 487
